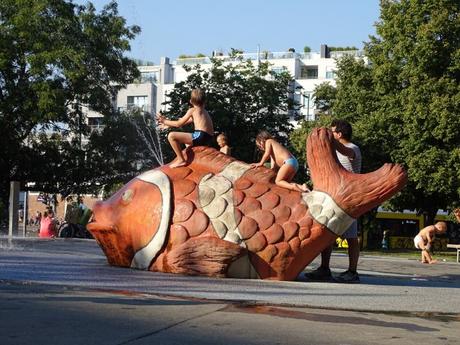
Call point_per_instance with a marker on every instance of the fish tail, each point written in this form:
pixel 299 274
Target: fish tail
pixel 353 193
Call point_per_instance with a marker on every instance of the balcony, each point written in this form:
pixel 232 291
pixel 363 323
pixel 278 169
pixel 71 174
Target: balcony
pixel 244 57
pixel 194 61
pixel 136 107
pixel 339 54
pixel 97 128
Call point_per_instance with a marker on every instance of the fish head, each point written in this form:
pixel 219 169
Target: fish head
pixel 130 219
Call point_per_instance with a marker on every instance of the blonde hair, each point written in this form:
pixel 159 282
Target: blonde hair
pixel 198 97
pixel 223 137
pixel 441 226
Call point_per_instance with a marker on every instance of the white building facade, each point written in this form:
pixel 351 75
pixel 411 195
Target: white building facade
pixel 307 69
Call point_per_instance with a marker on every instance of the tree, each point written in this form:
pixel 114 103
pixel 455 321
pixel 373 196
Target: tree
pixel 127 145
pixel 324 97
pixel 404 103
pixel 352 99
pixel 415 61
pixel 242 98
pixel 55 57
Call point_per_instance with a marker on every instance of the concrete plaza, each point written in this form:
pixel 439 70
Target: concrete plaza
pixel 63 291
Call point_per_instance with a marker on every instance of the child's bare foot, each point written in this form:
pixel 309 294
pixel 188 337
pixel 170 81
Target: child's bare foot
pixel 424 262
pixel 177 164
pixel 301 187
pixel 304 188
pixel 433 261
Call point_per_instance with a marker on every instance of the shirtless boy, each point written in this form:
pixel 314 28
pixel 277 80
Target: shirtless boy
pixel 425 239
pixel 204 129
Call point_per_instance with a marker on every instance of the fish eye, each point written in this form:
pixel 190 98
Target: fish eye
pixel 127 196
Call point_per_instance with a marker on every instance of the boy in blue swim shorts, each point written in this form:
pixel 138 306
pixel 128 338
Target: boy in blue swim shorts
pixel 282 159
pixel 204 129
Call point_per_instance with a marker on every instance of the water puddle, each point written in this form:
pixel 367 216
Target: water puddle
pixel 328 318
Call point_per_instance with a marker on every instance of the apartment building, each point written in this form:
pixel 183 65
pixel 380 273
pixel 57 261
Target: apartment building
pixel 307 69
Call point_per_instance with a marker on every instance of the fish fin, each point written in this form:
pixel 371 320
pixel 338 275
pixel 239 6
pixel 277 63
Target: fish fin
pixel 354 193
pixel 208 256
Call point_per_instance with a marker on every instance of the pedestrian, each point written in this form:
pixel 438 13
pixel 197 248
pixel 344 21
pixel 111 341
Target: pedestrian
pixel 349 156
pixel 204 129
pixel 48 225
pixel 38 217
pixel 425 238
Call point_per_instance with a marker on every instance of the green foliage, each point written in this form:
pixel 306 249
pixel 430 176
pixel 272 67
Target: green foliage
pixel 416 67
pixel 405 104
pixel 297 140
pixel 332 49
pixel 324 97
pixel 185 56
pixel 306 49
pixel 242 99
pixel 56 56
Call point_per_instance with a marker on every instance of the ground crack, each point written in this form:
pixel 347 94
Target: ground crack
pixel 145 335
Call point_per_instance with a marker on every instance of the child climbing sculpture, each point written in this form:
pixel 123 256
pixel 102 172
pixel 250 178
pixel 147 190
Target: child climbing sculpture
pixel 282 159
pixel 204 129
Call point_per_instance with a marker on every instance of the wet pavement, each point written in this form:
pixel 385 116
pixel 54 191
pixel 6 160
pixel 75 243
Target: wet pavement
pixel 64 291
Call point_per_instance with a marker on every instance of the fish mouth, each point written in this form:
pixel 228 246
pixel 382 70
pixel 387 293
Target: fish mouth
pixel 99 226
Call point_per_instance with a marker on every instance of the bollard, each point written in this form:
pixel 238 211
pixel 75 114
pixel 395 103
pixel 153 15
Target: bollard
pixel 13 209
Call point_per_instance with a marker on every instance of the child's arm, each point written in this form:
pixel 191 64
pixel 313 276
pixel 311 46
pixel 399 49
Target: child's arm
pixel 186 119
pixel 267 154
pixel 430 236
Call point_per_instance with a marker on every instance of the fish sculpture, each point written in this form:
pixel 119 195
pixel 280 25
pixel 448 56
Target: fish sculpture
pixel 219 217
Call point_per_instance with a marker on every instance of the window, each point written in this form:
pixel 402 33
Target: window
pixel 95 123
pixel 330 74
pixel 309 72
pixel 278 70
pixel 149 77
pixel 137 102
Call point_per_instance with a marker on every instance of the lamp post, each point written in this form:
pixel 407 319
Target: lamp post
pixel 307 96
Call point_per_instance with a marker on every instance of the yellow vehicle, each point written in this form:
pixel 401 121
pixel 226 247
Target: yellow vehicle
pixel 403 226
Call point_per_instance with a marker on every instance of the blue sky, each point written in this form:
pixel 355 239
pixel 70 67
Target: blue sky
pixel 174 27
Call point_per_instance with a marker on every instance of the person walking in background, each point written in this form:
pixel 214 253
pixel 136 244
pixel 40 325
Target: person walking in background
pixel 48 225
pixel 281 159
pixel 204 129
pixel 38 217
pixel 222 141
pixel 349 155
pixel 425 238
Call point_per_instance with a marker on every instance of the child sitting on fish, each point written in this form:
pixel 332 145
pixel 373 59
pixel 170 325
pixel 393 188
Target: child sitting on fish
pixel 204 129
pixel 425 239
pixel 222 141
pixel 282 159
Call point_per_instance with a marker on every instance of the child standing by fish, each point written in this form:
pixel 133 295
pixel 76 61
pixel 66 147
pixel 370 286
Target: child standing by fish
pixel 204 129
pixel 282 159
pixel 425 239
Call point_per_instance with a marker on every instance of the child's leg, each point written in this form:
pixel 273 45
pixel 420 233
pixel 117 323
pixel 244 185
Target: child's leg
pixel 284 177
pixel 176 139
pixel 426 257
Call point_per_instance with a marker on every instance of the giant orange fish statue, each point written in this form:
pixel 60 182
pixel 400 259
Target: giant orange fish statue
pixel 218 217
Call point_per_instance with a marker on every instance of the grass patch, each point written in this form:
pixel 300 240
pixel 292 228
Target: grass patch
pixel 448 256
